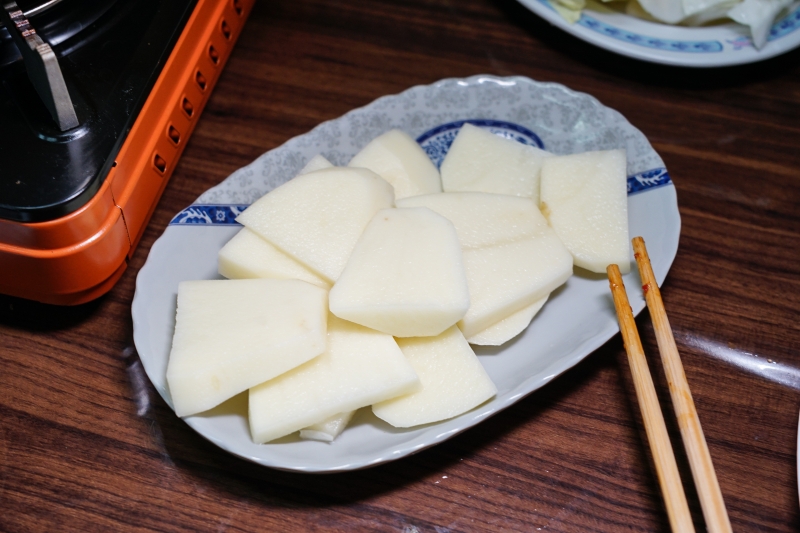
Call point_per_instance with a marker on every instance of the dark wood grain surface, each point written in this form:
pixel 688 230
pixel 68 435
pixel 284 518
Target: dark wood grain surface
pixel 87 444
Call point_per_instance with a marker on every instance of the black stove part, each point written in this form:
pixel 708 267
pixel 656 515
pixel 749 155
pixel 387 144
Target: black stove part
pixel 42 66
pixel 109 71
pixel 56 23
pixel 38 6
pixel 9 53
pixel 31 8
pixel 67 19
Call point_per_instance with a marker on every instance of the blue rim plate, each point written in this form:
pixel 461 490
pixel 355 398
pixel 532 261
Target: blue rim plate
pixel 577 319
pixel 707 46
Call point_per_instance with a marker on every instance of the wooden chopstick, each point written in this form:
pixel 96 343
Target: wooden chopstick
pixel 680 518
pixel 705 479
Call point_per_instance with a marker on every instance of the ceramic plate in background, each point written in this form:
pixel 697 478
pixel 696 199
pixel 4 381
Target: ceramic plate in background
pixel 707 46
pixel 577 319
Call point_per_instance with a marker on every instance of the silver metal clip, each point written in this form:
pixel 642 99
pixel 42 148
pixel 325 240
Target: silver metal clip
pixel 42 66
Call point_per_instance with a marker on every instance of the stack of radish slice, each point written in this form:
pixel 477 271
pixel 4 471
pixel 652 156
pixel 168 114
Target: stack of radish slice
pixel 366 285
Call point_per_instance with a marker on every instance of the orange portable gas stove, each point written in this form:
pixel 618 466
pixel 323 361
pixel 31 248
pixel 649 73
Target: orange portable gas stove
pixel 97 101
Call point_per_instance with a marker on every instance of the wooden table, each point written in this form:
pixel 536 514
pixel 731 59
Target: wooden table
pixel 87 444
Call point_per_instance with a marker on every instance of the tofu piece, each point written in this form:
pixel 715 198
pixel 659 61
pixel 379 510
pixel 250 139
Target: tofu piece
pixel 328 429
pixel 360 367
pixel 453 381
pixel 483 219
pixel 405 277
pixel 509 327
pixel 585 199
pixel 233 334
pixel 505 278
pixel 479 160
pixel 248 256
pixel 318 162
pixel 317 217
pixel 398 159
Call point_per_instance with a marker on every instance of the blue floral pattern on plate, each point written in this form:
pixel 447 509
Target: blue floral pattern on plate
pixel 713 45
pixel 785 26
pixel 781 28
pixel 697 47
pixel 201 214
pixel 671 45
pixel 436 142
pixel 648 180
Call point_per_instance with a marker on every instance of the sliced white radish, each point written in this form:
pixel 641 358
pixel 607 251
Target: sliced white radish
pixel 506 329
pixel 318 162
pixel 506 278
pixel 247 255
pixel 479 160
pixel 483 219
pixel 398 159
pixel 318 217
pixel 584 197
pixel 360 367
pixel 328 429
pixel 453 381
pixel 233 334
pixel 405 277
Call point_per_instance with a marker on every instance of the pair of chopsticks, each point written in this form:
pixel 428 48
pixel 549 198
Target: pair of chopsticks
pixel 705 478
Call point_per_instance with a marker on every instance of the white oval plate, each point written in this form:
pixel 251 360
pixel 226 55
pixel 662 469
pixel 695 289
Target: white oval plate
pixel 577 319
pixel 707 46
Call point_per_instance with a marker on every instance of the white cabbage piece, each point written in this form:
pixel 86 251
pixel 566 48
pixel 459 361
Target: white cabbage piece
pixel 714 11
pixel 693 7
pixel 669 11
pixel 759 15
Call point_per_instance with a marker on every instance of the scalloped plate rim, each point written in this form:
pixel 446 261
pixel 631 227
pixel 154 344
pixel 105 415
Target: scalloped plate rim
pixel 733 39
pixel 664 197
